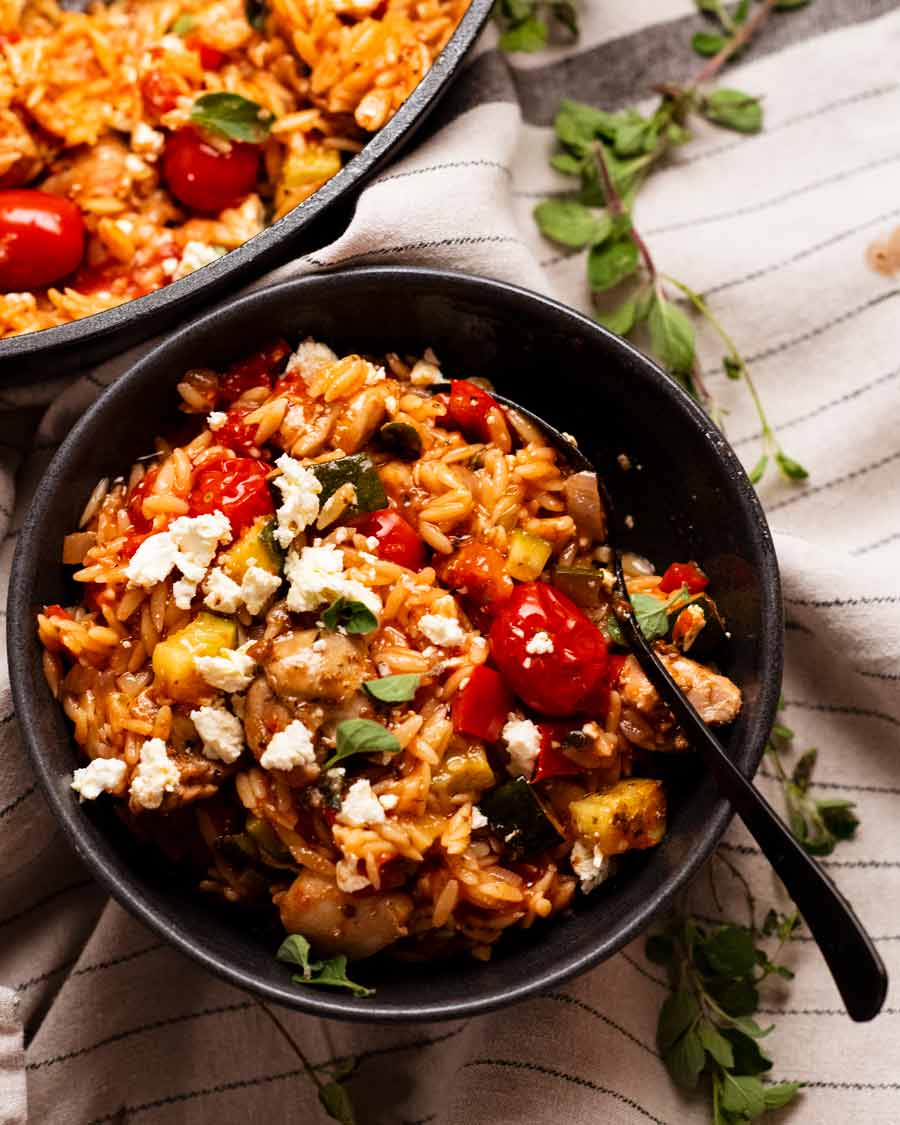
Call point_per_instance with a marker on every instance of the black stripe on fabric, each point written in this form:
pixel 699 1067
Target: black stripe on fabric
pixel 845 478
pixel 14 804
pixel 441 168
pixel 807 1085
pixel 844 709
pixel 564 998
pixel 376 1052
pixel 10 918
pixel 627 68
pixel 877 675
pixel 462 240
pixel 818 1011
pixel 155 1025
pixel 796 627
pixel 573 1079
pixel 831 603
pixel 855 786
pixel 878 543
pixel 749 849
pixel 823 408
pixel 83 970
pixel 640 968
pixel 32 981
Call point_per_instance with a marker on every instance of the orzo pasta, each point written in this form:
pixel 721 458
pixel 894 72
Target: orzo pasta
pixel 348 650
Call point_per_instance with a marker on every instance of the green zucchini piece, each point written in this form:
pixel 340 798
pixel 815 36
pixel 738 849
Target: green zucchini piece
pixel 520 818
pixel 581 585
pixel 359 471
pixel 401 439
pixel 256 544
pixel 696 639
pixel 528 555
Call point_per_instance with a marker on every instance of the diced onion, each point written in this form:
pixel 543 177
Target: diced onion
pixel 583 504
pixel 636 566
pixel 76 546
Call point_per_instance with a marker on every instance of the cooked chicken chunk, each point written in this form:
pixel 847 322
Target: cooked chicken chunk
pixel 647 722
pixel 307 664
pixel 335 922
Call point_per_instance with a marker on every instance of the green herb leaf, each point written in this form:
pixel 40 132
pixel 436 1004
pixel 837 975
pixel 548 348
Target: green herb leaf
pixel 568 222
pixel 736 997
pixel 790 5
pixel 685 1059
pixel 621 319
pixel 734 368
pixel 530 35
pixel 743 10
pixel 353 617
pixel 333 974
pixel 749 1057
pixel 635 137
pixel 793 470
pixel 671 336
pixel 758 470
pixel 362 736
pixel 780 1094
pixel 394 689
pixel 743 1095
pixel 335 1100
pixel 838 818
pixel 359 470
pixel 295 950
pixel 716 1045
pixel 578 125
pixel 730 951
pixel 707 43
pixel 232 116
pixel 652 613
pixel 803 770
pixel 402 439
pixel 611 262
pixel 183 25
pixel 567 164
pixel 678 1013
pixel 734 110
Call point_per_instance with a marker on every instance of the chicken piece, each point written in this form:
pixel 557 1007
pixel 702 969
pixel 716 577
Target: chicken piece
pixel 308 664
pixel 306 426
pixel 360 418
pixel 265 714
pixel 95 170
pixel 647 722
pixel 335 922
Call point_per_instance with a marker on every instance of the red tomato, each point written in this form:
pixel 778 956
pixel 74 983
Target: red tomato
pixel 160 91
pixel 557 682
pixel 479 573
pixel 235 486
pixel 136 502
pixel 238 435
pixel 398 541
pixel 57 611
pixel 256 370
pixel 41 239
pixel 684 574
pixel 552 761
pixel 468 408
pixel 202 177
pixel 210 57
pixel 482 707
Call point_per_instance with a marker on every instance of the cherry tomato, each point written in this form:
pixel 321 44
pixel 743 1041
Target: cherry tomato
pixel 597 703
pixel 210 57
pixel 398 541
pixel 557 682
pixel 552 761
pixel 139 521
pixel 256 370
pixel 41 239
pixel 684 574
pixel 57 611
pixel 468 409
pixel 239 436
pixel 160 92
pixel 482 707
pixel 202 177
pixel 479 571
pixel 236 487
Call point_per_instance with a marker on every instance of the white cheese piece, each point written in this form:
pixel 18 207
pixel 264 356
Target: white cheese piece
pixel 523 740
pixel 103 775
pixel 147 142
pixel 221 732
pixel 222 593
pixel 216 419
pixel 590 865
pixel 388 801
pixel 153 561
pixel 189 545
pixel 361 806
pixel 425 374
pixel 479 820
pixel 194 256
pixel 347 876
pixel 316 576
pixel 308 358
pixel 290 747
pixel 299 488
pixel 541 642
pixel 155 775
pixel 257 587
pixel 375 375
pixel 440 630
pixel 232 670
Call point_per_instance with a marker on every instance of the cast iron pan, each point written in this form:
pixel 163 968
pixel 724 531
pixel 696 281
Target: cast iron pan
pixel 315 222
pixel 689 498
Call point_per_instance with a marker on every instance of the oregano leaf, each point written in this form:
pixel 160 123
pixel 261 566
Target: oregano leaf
pixel 611 262
pixel 621 319
pixel 707 43
pixel 734 109
pixel 671 336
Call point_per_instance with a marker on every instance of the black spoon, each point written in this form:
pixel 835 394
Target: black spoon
pixel 855 964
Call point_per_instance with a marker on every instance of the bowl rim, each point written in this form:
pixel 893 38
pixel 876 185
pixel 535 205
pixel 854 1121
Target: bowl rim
pixel 261 251
pixel 28 685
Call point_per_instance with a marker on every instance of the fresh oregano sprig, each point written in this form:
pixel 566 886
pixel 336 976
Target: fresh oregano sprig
pixel 731 30
pixel 611 155
pixel 528 25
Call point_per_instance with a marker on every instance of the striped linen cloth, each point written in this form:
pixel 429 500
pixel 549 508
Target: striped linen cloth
pixel 99 1022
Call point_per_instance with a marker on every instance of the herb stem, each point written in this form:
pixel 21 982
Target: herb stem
pixel 616 207
pixel 307 1065
pixel 735 44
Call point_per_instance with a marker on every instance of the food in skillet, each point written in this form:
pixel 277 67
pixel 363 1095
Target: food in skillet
pixel 142 139
pixel 345 647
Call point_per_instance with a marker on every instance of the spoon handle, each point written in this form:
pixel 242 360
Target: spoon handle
pixel 855 964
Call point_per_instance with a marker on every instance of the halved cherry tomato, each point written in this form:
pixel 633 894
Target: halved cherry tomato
pixel 553 683
pixel 236 434
pixel 210 57
pixel 236 487
pixel 160 91
pixel 398 541
pixel 205 178
pixel 684 574
pixel 482 707
pixel 255 370
pixel 468 408
pixel 41 239
pixel 57 611
pixel 139 521
pixel 478 572
pixel 552 761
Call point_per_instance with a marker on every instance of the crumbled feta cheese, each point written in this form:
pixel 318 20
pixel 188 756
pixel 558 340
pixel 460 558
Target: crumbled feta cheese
pixel 195 255
pixel 316 575
pixel 216 419
pixel 375 375
pixel 126 226
pixel 425 374
pixel 361 806
pixel 147 142
pixel 155 775
pixel 347 877
pixel 232 670
pixel 290 747
pixel 103 775
pixel 440 630
pixel 169 265
pixel 590 865
pixel 153 561
pixel 372 542
pixel 221 732
pixel 308 358
pixel 172 43
pixel 388 801
pixel 523 740
pixel 222 593
pixel 189 544
pixel 257 586
pixel 299 488
pixel 540 643
pixel 479 820
pixel 135 165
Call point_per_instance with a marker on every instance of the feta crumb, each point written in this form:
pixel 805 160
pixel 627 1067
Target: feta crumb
pixel 135 165
pixel 388 801
pixel 540 643
pixel 189 544
pixel 440 630
pixel 361 806
pixel 425 374
pixel 374 375
pixel 221 732
pixel 102 775
pixel 216 419
pixel 257 587
pixel 372 542
pixel 155 775
pixel 590 865
pixel 147 142
pixel 232 670
pixel 523 740
pixel 308 358
pixel 316 576
pixel 153 561
pixel 222 593
pixel 347 877
pixel 194 256
pixel 290 747
pixel 299 488
pixel 479 820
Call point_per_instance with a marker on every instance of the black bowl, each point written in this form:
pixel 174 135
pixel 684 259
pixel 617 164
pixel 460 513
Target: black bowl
pixel 689 498
pixel 314 223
